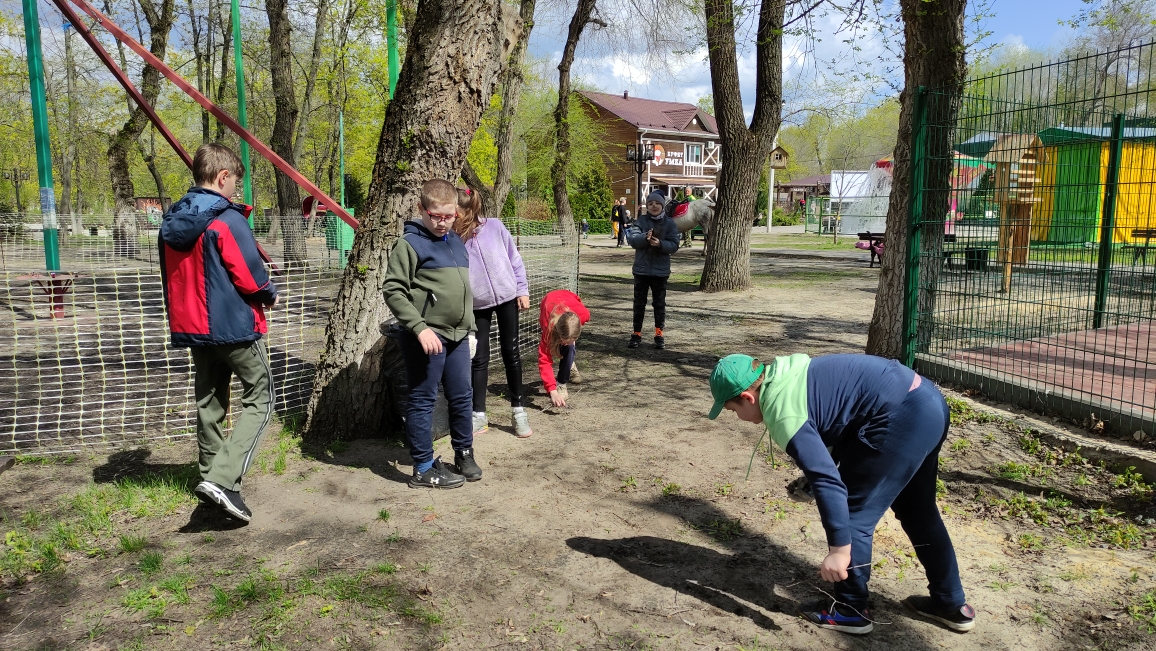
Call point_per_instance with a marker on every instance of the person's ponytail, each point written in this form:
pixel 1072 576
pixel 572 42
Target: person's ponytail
pixel 469 212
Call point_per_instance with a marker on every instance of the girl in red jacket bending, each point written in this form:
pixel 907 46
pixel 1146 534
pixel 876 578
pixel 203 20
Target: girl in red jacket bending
pixel 562 317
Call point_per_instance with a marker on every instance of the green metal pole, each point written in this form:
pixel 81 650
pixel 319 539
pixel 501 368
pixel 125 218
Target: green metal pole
pixel 242 114
pixel 341 157
pixel 391 42
pixel 914 224
pixel 1108 221
pixel 40 129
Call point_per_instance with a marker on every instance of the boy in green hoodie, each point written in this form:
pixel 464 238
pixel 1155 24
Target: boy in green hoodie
pixel 885 425
pixel 427 287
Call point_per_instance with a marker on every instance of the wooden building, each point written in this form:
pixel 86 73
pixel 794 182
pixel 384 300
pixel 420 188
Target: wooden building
pixel 687 155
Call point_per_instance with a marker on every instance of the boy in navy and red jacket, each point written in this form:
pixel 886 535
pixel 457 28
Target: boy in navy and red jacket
pixel 216 290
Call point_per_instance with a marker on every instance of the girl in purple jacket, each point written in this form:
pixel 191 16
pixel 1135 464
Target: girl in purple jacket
pixel 498 281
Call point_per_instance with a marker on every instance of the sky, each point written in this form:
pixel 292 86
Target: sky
pixel 1015 23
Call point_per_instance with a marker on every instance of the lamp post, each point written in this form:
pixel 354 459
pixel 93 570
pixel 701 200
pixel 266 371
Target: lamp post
pixel 640 154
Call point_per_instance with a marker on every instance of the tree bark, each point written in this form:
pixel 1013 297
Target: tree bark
pixel 744 149
pixel 226 56
pixel 201 58
pixel 559 171
pixel 933 58
pixel 124 230
pixel 455 52
pixel 284 125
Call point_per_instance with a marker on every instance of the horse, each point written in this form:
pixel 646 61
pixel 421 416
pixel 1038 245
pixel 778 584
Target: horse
pixel 698 212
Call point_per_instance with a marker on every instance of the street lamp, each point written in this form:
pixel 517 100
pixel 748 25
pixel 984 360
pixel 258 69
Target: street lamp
pixel 640 154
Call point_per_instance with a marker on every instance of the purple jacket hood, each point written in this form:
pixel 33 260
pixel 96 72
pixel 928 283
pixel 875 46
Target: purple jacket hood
pixel 497 274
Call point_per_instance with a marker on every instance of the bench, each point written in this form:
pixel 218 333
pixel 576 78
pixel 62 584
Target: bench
pixel 1140 251
pixel 873 243
pixel 975 254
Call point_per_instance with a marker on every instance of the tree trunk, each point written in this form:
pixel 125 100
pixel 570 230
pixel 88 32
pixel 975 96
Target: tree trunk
pixel 67 207
pixel 226 56
pixel 200 57
pixel 744 149
pixel 284 125
pixel 494 198
pixel 124 230
pixel 455 53
pixel 150 158
pixel 933 58
pixel 319 27
pixel 561 167
pixel 512 79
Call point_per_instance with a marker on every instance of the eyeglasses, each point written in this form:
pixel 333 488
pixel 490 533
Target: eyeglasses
pixel 440 219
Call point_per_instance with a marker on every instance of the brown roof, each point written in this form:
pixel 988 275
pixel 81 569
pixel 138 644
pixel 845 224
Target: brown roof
pixel 652 113
pixel 810 181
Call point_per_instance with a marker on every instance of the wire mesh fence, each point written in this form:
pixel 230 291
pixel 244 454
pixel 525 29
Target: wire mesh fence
pixel 1033 248
pixel 85 356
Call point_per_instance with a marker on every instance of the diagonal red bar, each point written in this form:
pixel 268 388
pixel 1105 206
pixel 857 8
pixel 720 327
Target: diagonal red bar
pixel 212 108
pixel 88 37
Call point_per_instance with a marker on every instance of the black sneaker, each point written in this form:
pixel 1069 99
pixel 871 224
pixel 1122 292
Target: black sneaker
pixel 467 467
pixel 436 477
pixel 635 341
pixel 229 501
pixel 826 614
pixel 960 619
pixel 659 342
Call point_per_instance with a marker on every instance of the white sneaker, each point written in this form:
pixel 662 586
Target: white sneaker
pixel 562 390
pixel 521 423
pixel 481 423
pixel 575 375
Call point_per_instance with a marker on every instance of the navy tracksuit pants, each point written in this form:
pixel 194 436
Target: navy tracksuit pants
pixel 423 372
pixel 900 474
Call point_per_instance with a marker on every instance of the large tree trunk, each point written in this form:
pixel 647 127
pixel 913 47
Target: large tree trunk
pixel 455 53
pixel 744 150
pixel 124 230
pixel 933 58
pixel 284 125
pixel 559 171
pixel 494 198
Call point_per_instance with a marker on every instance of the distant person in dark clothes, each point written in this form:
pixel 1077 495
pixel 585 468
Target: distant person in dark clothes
pixel 654 236
pixel 618 215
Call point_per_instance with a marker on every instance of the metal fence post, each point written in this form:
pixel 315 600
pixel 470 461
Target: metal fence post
pixel 914 222
pixel 1108 220
pixel 43 142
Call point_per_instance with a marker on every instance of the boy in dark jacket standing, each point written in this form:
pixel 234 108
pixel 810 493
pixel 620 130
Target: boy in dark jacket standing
pixel 216 290
pixel 427 287
pixel 654 236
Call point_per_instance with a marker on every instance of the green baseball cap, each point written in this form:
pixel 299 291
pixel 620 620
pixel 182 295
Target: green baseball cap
pixel 732 376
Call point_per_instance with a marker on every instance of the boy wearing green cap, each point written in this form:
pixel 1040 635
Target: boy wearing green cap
pixel 885 425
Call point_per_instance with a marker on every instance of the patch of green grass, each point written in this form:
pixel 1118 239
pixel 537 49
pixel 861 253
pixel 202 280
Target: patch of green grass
pixel 150 563
pixel 383 515
pixel 1143 610
pixel 32 519
pixel 155 599
pixel 724 490
pixel 1133 482
pixel 961 413
pixel 671 489
pixel 1001 586
pixel 131 543
pixel 724 530
pixel 1031 542
pixel 385 568
pixel 46 460
pixel 940 488
pixel 1073 575
pixel 1021 471
pixel 960 444
pixel 628 484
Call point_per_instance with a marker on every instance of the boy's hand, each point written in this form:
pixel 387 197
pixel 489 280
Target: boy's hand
pixel 276 300
pixel 557 399
pixel 834 567
pixel 430 342
pixel 523 302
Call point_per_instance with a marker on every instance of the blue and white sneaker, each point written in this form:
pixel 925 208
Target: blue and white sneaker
pixel 826 614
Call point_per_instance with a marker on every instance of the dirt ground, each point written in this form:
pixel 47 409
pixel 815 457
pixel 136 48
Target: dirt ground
pixel 625 522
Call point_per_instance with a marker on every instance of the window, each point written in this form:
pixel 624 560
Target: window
pixel 694 154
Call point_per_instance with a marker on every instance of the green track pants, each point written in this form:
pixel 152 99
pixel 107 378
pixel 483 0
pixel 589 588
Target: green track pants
pixel 224 458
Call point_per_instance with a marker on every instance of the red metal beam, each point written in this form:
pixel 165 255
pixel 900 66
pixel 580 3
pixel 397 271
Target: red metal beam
pixel 216 112
pixel 121 77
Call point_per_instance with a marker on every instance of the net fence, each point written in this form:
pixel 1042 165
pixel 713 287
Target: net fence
pixel 1033 247
pixel 85 357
